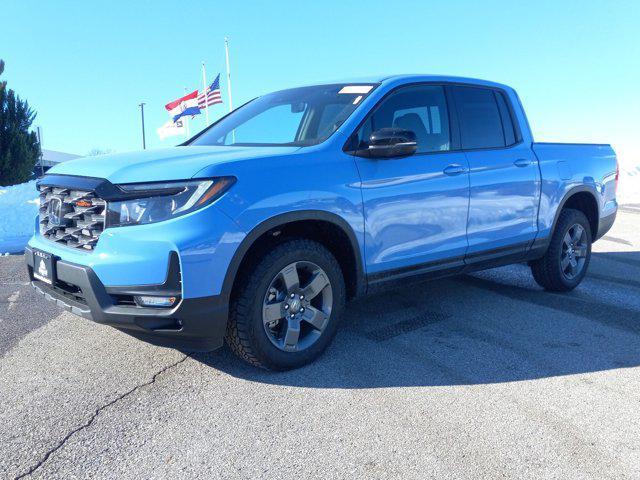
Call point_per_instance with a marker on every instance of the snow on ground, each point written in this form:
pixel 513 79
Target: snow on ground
pixel 629 187
pixel 18 210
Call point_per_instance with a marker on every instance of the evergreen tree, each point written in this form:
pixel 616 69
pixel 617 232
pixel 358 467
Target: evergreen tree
pixel 19 148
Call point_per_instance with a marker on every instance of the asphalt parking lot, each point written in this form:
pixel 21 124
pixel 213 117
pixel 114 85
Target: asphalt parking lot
pixel 482 376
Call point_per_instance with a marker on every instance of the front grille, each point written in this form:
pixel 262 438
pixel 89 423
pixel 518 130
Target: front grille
pixel 74 218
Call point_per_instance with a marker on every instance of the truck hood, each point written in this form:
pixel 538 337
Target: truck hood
pixel 175 163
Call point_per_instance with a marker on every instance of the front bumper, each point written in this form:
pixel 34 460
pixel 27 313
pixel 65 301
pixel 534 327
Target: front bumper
pixel 193 324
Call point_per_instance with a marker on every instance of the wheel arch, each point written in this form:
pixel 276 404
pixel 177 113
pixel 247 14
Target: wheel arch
pixel 279 222
pixel 584 199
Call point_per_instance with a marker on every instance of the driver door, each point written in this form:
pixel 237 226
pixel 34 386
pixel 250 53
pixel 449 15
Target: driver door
pixel 415 207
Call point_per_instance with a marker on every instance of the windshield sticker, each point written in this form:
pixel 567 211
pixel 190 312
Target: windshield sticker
pixel 356 89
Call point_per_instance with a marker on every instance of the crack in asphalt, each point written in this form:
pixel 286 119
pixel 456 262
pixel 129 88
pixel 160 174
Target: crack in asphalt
pixel 95 414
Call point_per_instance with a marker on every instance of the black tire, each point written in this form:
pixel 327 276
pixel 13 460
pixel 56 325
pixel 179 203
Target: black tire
pixel 246 333
pixel 547 271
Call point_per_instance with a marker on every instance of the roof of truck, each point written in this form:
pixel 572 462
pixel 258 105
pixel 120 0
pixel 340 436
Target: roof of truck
pixel 414 77
pixel 446 78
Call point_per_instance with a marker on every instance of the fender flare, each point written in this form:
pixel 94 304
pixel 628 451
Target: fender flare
pixel 289 217
pixel 571 192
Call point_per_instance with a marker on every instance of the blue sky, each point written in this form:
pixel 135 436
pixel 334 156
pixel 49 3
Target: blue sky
pixel 85 66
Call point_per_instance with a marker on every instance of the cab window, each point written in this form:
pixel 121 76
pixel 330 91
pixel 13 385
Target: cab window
pixel 481 122
pixel 419 108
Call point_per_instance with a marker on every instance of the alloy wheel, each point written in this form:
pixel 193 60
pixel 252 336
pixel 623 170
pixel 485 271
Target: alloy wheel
pixel 297 306
pixel 574 251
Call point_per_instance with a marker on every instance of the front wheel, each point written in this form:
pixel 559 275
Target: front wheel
pixel 287 308
pixel 565 264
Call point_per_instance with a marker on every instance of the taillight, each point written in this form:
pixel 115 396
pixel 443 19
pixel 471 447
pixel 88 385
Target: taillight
pixel 617 174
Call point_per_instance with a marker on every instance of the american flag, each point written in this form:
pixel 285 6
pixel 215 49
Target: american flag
pixel 211 95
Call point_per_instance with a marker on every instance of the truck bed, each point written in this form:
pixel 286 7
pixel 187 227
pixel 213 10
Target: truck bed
pixel 567 166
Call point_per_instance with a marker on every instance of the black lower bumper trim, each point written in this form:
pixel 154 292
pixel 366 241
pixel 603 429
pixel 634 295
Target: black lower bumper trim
pixel 194 324
pixel 605 224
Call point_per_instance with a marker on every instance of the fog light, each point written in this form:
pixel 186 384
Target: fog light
pixel 147 301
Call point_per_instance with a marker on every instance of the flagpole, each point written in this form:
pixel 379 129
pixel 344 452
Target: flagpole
pixel 204 90
pixel 187 118
pixel 226 49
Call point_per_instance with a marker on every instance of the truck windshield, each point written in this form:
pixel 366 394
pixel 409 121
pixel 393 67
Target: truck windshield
pixel 298 117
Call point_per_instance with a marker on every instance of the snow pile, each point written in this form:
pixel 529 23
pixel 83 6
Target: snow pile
pixel 629 186
pixel 18 210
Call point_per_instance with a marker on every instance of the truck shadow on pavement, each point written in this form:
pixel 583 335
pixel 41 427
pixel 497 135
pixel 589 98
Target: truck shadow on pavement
pixel 492 327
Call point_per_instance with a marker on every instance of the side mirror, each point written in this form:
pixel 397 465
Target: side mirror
pixel 392 142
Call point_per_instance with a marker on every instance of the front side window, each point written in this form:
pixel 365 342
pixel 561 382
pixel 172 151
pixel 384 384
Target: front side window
pixel 298 117
pixel 479 115
pixel 421 109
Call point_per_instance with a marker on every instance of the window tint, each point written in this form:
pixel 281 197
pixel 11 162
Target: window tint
pixel 421 109
pixel 333 114
pixel 507 123
pixel 276 125
pixel 480 122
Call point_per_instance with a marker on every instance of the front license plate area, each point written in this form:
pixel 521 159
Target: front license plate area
pixel 44 266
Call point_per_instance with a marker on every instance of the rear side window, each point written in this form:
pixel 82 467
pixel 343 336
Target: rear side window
pixel 507 122
pixel 479 116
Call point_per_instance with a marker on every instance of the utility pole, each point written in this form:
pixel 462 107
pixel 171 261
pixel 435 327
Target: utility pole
pixel 144 143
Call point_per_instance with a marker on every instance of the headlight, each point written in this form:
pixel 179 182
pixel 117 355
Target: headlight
pixel 155 202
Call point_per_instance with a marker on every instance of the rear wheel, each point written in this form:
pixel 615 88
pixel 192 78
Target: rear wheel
pixel 565 264
pixel 287 308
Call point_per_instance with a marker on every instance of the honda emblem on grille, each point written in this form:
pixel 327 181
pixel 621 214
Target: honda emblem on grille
pixel 42 269
pixel 54 211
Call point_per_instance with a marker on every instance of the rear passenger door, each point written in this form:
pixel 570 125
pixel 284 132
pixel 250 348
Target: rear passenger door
pixel 504 176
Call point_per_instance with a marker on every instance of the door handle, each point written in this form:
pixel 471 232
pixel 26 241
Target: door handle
pixel 454 169
pixel 522 162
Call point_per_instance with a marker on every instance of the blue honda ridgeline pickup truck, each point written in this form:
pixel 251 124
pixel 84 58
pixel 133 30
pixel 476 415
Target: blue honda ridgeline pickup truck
pixel 260 227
